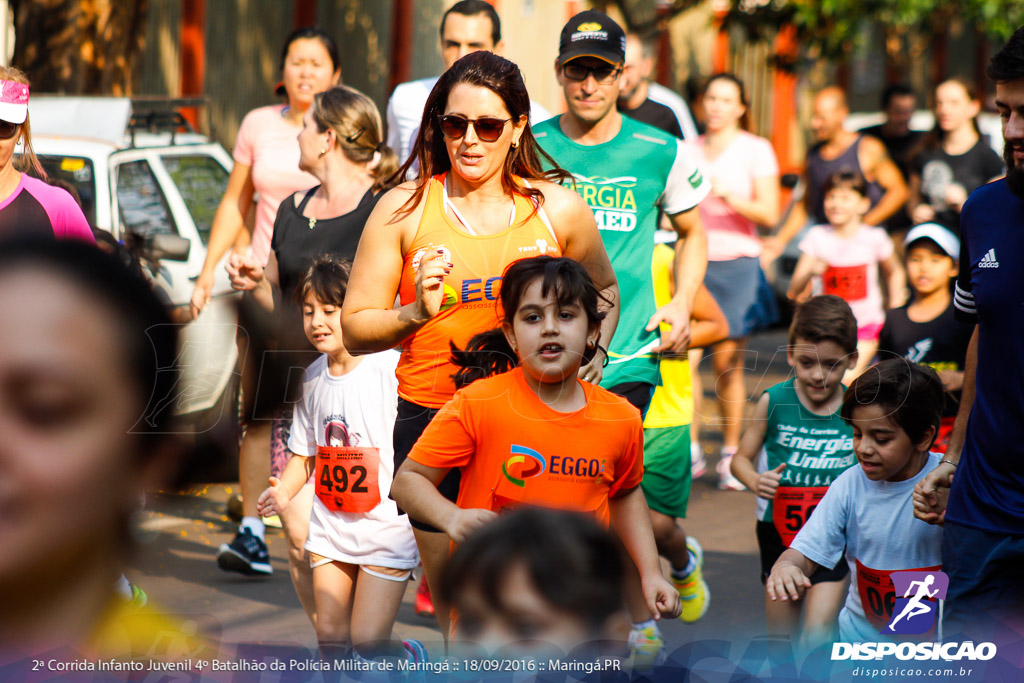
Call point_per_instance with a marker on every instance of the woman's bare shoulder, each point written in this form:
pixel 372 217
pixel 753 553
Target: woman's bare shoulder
pixel 559 199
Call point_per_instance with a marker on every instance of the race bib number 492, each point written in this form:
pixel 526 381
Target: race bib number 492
pixel 346 478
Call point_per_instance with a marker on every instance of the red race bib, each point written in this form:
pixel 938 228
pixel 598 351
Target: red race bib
pixel 945 431
pixel 847 282
pixel 346 478
pixel 503 505
pixel 877 595
pixel 792 508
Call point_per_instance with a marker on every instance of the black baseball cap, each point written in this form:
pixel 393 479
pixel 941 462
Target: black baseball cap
pixel 592 34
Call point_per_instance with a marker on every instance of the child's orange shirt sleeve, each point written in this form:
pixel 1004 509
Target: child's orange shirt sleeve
pixel 629 471
pixel 448 441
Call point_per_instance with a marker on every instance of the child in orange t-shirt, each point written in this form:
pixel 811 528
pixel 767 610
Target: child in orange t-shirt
pixel 536 435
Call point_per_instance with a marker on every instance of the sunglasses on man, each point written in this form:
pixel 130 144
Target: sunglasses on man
pixel 604 74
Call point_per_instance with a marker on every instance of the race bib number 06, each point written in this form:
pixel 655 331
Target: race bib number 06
pixel 346 478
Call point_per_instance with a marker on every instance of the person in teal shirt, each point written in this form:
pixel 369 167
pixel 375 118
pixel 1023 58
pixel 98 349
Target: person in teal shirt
pixel 626 171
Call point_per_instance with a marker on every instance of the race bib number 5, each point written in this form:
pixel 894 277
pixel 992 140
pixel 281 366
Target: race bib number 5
pixel 792 508
pixel 847 282
pixel 346 478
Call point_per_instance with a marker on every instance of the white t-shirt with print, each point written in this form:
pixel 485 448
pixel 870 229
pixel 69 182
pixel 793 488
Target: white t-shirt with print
pixel 355 409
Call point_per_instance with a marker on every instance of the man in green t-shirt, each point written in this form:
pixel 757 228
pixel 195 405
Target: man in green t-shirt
pixel 625 171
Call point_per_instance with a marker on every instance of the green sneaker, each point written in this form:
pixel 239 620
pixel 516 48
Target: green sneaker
pixel 138 599
pixel 693 590
pixel 646 648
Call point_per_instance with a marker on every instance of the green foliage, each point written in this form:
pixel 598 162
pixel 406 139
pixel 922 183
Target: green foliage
pixel 832 27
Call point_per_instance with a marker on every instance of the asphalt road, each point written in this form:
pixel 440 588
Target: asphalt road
pixel 180 534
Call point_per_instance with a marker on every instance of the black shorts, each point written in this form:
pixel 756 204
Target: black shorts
pixel 639 394
pixel 770 543
pixel 409 425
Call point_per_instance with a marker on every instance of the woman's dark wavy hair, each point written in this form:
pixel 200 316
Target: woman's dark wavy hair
pixel 489 353
pixel 503 78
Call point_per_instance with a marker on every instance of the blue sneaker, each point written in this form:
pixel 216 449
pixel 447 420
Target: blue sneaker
pixel 416 651
pixel 246 554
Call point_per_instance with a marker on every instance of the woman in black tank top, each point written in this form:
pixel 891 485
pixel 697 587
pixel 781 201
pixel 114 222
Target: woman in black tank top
pixel 341 145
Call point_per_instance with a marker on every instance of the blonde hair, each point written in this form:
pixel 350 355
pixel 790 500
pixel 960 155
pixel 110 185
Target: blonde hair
pixel 355 120
pixel 28 161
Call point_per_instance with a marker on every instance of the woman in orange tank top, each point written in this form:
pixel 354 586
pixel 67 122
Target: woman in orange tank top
pixel 440 243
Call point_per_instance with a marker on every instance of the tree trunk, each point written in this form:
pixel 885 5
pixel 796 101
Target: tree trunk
pixel 79 46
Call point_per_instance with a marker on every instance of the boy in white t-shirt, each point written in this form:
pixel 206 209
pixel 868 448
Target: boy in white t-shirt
pixel 894 409
pixel 362 551
pixel 844 257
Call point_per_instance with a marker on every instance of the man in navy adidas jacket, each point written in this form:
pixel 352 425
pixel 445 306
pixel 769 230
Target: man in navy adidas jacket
pixel 983 469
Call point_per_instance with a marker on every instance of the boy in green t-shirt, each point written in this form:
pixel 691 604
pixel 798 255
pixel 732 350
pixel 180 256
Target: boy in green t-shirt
pixel 805 445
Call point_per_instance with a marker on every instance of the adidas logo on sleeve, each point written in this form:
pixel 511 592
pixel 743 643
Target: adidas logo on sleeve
pixel 989 260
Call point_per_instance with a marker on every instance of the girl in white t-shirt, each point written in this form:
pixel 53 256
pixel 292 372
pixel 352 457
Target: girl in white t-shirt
pixel 844 257
pixel 361 551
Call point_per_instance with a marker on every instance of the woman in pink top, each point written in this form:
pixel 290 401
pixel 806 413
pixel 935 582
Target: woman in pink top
pixel 267 155
pixel 29 206
pixel 745 194
pixel 267 166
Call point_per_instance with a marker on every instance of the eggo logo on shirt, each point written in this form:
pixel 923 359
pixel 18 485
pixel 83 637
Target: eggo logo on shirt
pixel 479 289
pixel 523 464
pixel 577 467
pixel 526 463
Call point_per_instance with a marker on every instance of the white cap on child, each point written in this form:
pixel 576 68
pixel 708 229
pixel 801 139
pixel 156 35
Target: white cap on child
pixel 941 235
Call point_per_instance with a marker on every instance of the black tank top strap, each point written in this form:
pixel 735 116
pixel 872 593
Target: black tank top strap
pixel 305 199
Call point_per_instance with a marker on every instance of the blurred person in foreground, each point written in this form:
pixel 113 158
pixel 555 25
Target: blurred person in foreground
pixel 86 418
pixel 537 582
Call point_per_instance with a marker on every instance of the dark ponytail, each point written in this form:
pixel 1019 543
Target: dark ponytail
pixel 487 354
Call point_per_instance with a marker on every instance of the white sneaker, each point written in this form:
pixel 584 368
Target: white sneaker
pixel 726 481
pixel 698 465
